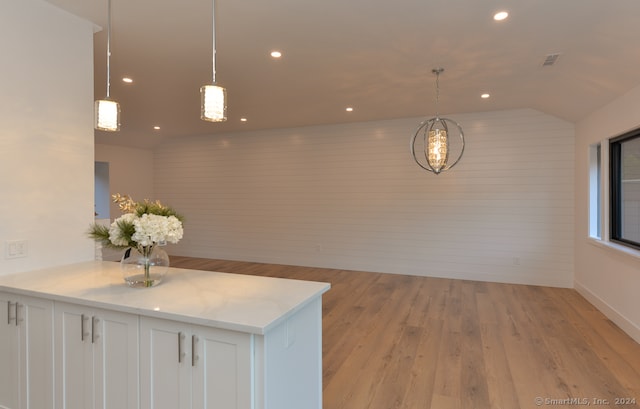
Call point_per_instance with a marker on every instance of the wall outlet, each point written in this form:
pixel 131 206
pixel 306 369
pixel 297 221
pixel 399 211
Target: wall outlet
pixel 15 248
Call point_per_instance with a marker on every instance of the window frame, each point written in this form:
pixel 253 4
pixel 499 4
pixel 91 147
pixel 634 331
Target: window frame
pixel 595 191
pixel 615 189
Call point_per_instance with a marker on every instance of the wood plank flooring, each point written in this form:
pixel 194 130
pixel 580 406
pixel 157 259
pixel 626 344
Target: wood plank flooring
pixel 396 341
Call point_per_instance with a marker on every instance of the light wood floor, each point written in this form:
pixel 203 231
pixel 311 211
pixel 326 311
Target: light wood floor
pixel 395 341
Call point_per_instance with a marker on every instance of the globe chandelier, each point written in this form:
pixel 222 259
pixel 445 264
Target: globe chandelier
pixel 430 145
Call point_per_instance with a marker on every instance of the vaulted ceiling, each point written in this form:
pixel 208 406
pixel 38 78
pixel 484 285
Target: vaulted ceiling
pixel 375 56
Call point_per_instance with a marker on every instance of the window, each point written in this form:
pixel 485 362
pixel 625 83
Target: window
pixel 595 191
pixel 625 189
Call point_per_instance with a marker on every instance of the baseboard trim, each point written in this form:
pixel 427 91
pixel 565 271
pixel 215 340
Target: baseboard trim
pixel 619 319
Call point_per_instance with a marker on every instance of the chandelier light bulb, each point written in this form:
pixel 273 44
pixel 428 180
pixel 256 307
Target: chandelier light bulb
pixel 437 149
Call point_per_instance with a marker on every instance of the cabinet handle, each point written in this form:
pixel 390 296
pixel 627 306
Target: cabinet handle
pixel 94 321
pixel 193 350
pixel 9 303
pixel 82 327
pixel 17 313
pixel 9 318
pixel 180 336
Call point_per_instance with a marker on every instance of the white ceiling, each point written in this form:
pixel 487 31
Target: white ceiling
pixel 374 55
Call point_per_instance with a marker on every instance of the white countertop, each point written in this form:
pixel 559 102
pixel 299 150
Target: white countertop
pixel 237 302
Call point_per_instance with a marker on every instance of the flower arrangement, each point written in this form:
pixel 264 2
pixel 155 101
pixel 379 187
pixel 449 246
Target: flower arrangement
pixel 143 226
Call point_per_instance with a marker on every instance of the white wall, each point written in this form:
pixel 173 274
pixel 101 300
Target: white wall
pixel 609 278
pixel 130 172
pixel 350 197
pixel 46 134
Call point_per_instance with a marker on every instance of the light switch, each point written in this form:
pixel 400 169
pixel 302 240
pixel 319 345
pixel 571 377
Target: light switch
pixel 15 248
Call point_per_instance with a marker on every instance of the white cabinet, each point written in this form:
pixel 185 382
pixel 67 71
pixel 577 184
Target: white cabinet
pixel 96 358
pixel 201 340
pixel 288 361
pixel 26 352
pixel 186 366
pixel 190 366
pixel 106 359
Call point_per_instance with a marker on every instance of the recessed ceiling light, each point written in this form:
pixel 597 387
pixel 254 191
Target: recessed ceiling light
pixel 156 127
pixel 276 54
pixel 127 80
pixel 501 15
pixel 485 96
pixel 243 119
pixel 349 109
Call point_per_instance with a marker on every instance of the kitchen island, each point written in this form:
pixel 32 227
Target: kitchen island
pixel 77 336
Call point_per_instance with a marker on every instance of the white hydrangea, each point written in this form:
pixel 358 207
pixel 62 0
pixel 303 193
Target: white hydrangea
pixel 115 233
pixel 153 229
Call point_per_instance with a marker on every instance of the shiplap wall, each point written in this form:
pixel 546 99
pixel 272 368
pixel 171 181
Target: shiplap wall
pixel 349 196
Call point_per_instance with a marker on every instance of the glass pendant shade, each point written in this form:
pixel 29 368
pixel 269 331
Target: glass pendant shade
pixel 437 149
pixel 107 115
pixel 213 100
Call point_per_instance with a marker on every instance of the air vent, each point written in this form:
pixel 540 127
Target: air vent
pixel 550 59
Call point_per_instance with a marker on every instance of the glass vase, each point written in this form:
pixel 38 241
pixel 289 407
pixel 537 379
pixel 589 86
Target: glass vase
pixel 144 267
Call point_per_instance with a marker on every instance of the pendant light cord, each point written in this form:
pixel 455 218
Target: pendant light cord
pixel 108 47
pixel 437 92
pixel 213 25
pixel 437 71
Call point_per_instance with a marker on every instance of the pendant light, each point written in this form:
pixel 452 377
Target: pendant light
pixel 213 98
pixel 107 111
pixel 434 142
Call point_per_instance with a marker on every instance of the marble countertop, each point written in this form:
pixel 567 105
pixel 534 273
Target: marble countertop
pixel 237 302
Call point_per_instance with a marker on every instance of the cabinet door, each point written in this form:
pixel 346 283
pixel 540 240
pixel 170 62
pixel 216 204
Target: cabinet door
pixel 26 343
pixel 9 353
pixel 74 372
pixel 35 319
pixel 165 364
pixel 96 359
pixel 221 369
pixel 115 359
